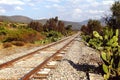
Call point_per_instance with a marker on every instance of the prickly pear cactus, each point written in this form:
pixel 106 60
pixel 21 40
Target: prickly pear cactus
pixel 107 43
pixel 95 43
pixel 117 32
pixel 111 65
pixel 97 35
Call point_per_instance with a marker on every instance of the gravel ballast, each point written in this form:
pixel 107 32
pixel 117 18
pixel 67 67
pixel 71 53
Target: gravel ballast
pixel 80 62
pixel 77 63
pixel 14 52
pixel 23 66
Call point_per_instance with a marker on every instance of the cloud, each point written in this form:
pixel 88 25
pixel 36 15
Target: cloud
pixel 2 10
pixel 75 1
pixel 108 2
pixel 95 11
pixel 11 2
pixel 95 4
pixel 57 7
pixel 77 10
pixel 56 1
pixel 89 8
pixel 47 6
pixel 74 10
pixel 18 8
pixel 76 13
pixel 31 4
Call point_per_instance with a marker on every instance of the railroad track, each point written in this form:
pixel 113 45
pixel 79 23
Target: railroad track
pixel 37 64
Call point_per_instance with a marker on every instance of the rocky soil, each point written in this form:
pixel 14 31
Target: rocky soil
pixel 79 63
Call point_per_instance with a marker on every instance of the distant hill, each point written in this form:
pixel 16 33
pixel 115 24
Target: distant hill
pixel 75 25
pixel 17 18
pixel 43 21
pixel 24 19
pixel 86 21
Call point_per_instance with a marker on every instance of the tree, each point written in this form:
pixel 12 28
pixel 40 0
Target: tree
pixel 68 27
pixel 56 19
pixel 94 25
pixel 114 20
pixel 85 29
pixel 51 24
pixel 35 26
pixel 55 25
pixel 61 27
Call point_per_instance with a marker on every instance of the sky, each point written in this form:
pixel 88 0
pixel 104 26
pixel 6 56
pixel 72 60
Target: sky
pixel 70 10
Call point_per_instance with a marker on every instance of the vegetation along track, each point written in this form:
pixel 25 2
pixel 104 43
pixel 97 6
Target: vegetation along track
pixel 29 66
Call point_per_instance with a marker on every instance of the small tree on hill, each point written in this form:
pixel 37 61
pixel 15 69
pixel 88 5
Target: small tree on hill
pixel 114 20
pixel 68 27
pixel 50 25
pixel 35 26
pixel 55 25
pixel 94 25
pixel 61 27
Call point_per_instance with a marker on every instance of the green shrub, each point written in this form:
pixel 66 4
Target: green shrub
pixel 92 25
pixel 110 51
pixel 111 65
pixel 35 26
pixel 44 41
pixel 3 31
pixel 86 38
pixel 53 35
pixel 25 35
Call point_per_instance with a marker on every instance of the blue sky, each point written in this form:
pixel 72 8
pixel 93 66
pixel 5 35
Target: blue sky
pixel 70 10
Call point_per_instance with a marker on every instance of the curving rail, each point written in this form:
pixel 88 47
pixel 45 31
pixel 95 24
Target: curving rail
pixel 35 70
pixel 40 65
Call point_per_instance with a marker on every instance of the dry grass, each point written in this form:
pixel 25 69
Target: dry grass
pixel 7 44
pixel 1 46
pixel 18 43
pixel 15 49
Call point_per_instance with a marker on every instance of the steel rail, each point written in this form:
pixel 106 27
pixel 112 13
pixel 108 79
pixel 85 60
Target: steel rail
pixel 9 63
pixel 29 75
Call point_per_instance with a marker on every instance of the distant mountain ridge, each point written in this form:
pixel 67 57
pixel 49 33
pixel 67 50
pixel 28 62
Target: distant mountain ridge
pixel 86 21
pixel 76 25
pixel 24 19
pixel 16 18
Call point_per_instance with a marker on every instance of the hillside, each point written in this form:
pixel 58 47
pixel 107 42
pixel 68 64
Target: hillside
pixel 86 21
pixel 24 19
pixel 75 25
pixel 43 21
pixel 17 18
